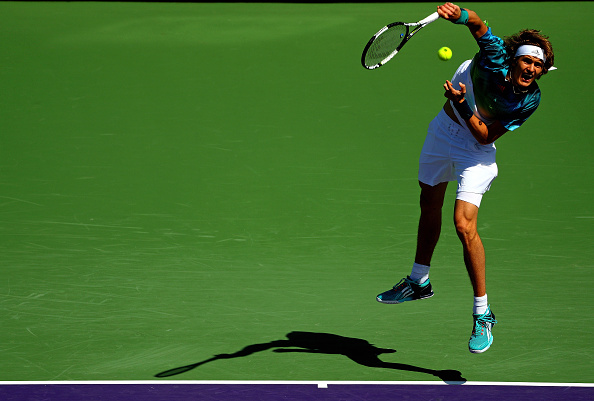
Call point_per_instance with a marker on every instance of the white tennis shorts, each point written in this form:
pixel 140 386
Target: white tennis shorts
pixel 450 153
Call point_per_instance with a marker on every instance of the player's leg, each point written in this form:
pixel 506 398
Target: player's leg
pixel 431 203
pixel 476 171
pixel 416 285
pixel 465 219
pixel 435 170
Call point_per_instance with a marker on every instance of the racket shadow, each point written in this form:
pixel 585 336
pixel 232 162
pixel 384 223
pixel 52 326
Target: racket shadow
pixel 357 350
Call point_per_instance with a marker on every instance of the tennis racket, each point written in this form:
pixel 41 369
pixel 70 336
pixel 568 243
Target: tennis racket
pixel 389 40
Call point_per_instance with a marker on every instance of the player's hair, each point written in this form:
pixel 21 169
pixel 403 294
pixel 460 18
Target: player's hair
pixel 530 37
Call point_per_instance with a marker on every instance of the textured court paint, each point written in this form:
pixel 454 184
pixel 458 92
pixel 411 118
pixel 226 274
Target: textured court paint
pixel 180 181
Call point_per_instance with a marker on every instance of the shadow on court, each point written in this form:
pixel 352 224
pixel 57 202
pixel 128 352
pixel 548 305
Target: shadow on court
pixel 356 349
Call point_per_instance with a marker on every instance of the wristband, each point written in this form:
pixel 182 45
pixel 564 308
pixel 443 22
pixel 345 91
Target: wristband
pixel 463 20
pixel 464 110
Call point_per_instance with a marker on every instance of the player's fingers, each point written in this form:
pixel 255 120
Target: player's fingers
pixel 451 8
pixel 442 12
pixel 445 14
pixel 445 11
pixel 449 90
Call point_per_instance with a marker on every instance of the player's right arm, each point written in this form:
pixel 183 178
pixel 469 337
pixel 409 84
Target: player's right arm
pixel 452 12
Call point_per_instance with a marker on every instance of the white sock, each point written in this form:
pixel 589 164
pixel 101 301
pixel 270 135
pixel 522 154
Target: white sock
pixel 480 305
pixel 420 273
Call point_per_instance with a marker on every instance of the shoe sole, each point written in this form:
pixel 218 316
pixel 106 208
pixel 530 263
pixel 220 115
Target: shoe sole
pixel 401 302
pixel 480 351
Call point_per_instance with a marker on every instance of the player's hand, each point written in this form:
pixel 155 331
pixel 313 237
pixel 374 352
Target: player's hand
pixel 449 11
pixel 453 94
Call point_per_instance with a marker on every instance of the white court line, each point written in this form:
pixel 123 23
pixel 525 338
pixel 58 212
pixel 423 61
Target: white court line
pixel 320 384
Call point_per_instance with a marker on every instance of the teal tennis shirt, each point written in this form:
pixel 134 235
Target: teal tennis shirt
pixel 494 95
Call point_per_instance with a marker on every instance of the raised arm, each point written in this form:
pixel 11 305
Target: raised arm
pixel 455 14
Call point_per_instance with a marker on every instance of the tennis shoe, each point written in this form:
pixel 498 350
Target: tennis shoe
pixel 481 337
pixel 406 290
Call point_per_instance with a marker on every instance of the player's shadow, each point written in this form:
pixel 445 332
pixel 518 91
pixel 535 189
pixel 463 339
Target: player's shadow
pixel 356 349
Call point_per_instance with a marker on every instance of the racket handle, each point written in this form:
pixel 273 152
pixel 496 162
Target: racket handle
pixel 429 19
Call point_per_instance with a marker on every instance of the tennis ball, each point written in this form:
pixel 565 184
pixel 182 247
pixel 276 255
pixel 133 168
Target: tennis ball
pixel 445 53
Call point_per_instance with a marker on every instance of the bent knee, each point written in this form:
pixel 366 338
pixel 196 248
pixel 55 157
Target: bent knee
pixel 465 228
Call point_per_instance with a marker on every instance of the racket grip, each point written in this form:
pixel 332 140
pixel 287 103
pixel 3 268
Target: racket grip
pixel 429 19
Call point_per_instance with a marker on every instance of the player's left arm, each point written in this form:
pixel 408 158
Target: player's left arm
pixel 483 133
pixel 452 12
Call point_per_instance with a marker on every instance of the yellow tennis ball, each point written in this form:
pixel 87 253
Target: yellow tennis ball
pixel 445 53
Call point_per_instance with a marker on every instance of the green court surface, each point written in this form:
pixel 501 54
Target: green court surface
pixel 179 181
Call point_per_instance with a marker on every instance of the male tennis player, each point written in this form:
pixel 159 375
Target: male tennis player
pixel 491 94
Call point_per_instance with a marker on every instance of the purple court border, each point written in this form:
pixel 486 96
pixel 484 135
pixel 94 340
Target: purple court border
pixel 290 391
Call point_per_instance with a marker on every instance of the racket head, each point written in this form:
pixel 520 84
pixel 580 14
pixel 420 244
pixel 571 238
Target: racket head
pixel 384 45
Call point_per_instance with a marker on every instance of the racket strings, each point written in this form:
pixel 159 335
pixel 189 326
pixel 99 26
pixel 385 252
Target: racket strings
pixel 385 44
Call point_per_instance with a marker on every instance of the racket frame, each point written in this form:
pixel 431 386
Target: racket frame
pixel 409 34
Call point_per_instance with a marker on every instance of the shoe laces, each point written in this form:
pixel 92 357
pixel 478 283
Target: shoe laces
pixel 482 321
pixel 405 282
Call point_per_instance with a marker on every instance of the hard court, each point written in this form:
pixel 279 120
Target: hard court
pixel 220 190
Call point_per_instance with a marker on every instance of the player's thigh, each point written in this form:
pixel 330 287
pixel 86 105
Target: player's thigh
pixel 432 196
pixel 465 217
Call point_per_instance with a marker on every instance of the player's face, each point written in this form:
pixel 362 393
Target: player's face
pixel 526 70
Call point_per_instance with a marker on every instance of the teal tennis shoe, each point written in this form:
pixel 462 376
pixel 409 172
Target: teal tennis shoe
pixel 481 337
pixel 406 290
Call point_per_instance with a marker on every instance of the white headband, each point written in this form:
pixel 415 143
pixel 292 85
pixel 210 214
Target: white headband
pixel 530 50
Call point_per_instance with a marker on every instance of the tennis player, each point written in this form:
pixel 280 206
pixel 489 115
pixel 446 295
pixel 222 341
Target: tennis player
pixel 491 94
